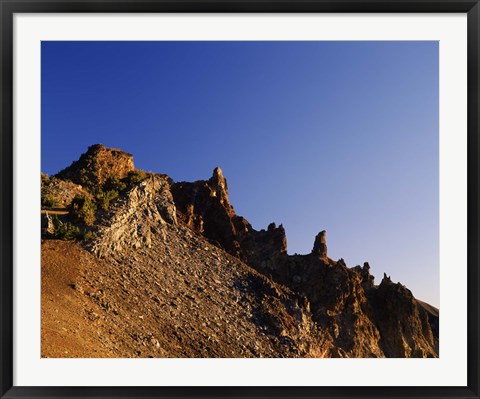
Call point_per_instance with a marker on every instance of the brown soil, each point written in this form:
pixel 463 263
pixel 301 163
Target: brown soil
pixel 67 330
pixel 209 305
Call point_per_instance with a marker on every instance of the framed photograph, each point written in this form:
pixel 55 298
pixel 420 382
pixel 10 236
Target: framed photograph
pixel 239 199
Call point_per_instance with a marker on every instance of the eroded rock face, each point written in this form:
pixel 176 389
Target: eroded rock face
pixel 364 320
pixel 261 249
pixel 136 217
pixel 204 206
pixel 404 325
pixel 98 164
pixel 320 245
pixel 343 301
pixel 310 305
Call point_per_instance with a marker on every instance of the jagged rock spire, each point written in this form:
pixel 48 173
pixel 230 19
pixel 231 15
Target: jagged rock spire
pixel 218 179
pixel 386 279
pixel 217 173
pixel 219 185
pixel 320 245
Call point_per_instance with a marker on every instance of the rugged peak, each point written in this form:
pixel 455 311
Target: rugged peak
pixel 386 279
pixel 217 173
pixel 349 315
pixel 98 164
pixel 95 148
pixel 320 245
pixel 218 181
pixel 367 278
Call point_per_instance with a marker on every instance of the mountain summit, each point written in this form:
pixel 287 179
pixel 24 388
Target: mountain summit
pixel 137 265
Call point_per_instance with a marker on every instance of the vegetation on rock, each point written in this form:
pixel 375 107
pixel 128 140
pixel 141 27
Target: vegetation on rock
pixel 82 210
pixel 65 231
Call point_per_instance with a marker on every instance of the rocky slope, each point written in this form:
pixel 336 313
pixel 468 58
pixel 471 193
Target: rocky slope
pixel 57 193
pixel 170 270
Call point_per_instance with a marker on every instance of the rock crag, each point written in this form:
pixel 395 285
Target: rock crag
pixel 172 271
pixel 136 217
pixel 96 165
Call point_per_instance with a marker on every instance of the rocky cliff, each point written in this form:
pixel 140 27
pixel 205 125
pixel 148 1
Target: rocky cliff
pixel 171 270
pixel 96 165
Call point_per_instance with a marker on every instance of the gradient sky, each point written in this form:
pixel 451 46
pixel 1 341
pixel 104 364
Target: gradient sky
pixel 341 136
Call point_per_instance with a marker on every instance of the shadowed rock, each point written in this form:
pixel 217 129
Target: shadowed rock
pixel 320 245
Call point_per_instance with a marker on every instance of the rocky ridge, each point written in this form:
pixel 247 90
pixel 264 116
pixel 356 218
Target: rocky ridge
pixel 182 246
pixel 96 165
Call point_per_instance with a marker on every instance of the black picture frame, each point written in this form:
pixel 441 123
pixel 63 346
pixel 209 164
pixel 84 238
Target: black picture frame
pixel 9 8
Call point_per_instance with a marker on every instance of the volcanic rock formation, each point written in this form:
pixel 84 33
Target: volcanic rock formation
pixel 170 270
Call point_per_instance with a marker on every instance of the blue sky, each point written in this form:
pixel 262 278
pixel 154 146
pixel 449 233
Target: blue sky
pixel 341 136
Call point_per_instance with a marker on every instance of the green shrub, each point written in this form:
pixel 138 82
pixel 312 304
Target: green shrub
pixel 65 231
pixel 104 198
pixel 113 184
pixel 89 235
pixel 84 178
pixel 135 176
pixel 82 210
pixel 45 180
pixel 49 201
